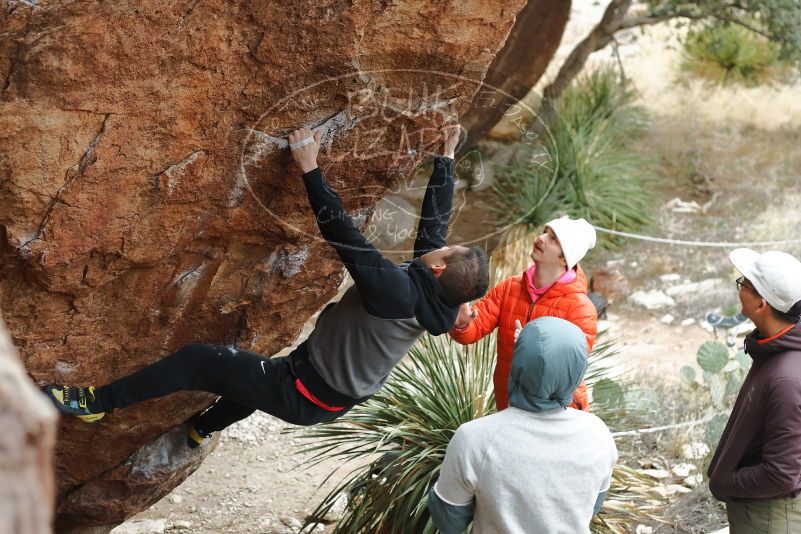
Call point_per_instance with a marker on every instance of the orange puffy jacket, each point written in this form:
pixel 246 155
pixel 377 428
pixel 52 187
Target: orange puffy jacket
pixel 510 300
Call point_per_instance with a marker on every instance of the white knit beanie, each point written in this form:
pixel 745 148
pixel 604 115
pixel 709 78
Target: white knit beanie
pixel 576 236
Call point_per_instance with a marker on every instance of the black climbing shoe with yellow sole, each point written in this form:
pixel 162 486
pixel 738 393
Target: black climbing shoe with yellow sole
pixel 195 436
pixel 74 401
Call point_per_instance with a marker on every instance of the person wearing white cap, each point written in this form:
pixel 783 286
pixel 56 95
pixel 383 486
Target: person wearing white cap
pixel 554 285
pixel 756 469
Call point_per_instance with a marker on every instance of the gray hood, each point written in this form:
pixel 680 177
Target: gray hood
pixel 548 364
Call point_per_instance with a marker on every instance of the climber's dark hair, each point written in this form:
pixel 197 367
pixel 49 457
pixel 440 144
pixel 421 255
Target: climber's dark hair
pixel 466 277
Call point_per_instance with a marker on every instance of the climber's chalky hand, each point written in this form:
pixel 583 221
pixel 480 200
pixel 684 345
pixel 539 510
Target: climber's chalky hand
pixel 305 145
pixel 450 134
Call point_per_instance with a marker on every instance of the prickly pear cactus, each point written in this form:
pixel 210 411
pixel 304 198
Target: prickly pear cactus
pixel 723 373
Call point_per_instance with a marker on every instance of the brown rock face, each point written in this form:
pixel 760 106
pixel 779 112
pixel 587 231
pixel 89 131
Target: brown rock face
pixel 147 199
pixel 26 448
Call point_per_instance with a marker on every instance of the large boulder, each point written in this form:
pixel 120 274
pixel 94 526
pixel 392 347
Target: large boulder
pixel 26 448
pixel 147 198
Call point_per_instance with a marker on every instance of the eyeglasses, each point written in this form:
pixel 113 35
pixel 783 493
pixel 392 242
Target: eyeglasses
pixel 741 284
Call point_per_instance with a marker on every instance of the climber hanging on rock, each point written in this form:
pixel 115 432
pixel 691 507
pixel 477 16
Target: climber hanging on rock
pixel 356 341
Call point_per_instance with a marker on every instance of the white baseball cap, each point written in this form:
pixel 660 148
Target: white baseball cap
pixel 576 236
pixel 776 276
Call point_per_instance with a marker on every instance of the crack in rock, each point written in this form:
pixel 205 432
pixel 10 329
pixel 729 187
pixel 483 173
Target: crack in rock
pixel 174 172
pixel 261 144
pixel 73 173
pixel 7 83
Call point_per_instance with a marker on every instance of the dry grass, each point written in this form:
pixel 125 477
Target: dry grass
pixel 783 220
pixel 665 91
pixel 695 513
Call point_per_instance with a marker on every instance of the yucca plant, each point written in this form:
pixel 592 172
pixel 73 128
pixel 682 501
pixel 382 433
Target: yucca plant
pixel 586 166
pixel 397 440
pixel 404 431
pixel 529 191
pixel 727 53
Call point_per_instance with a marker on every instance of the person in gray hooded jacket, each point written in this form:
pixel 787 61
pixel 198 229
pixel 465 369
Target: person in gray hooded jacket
pixel 538 466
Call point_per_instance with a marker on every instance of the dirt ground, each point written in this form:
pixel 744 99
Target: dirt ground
pixel 251 483
pixel 729 149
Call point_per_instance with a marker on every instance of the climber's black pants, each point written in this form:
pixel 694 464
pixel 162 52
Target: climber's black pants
pixel 245 382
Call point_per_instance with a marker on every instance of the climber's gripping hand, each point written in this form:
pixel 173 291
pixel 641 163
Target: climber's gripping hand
pixel 450 135
pixel 305 145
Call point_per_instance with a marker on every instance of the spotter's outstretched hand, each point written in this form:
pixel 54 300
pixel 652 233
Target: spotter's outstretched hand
pixel 467 315
pixel 518 329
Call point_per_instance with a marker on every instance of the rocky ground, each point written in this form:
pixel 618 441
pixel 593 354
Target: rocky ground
pixel 728 172
pixel 253 482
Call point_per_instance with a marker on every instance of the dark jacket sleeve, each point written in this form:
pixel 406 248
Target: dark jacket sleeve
pixel 779 471
pixel 384 287
pixel 436 211
pixel 449 518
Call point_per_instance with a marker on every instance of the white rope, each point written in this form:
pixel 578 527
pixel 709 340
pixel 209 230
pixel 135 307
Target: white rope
pixel 721 244
pixel 661 428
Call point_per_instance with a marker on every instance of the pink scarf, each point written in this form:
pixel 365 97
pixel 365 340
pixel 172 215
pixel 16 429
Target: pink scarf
pixel 536 292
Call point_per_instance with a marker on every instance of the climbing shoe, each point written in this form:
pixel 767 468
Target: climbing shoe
pixel 195 436
pixel 74 401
